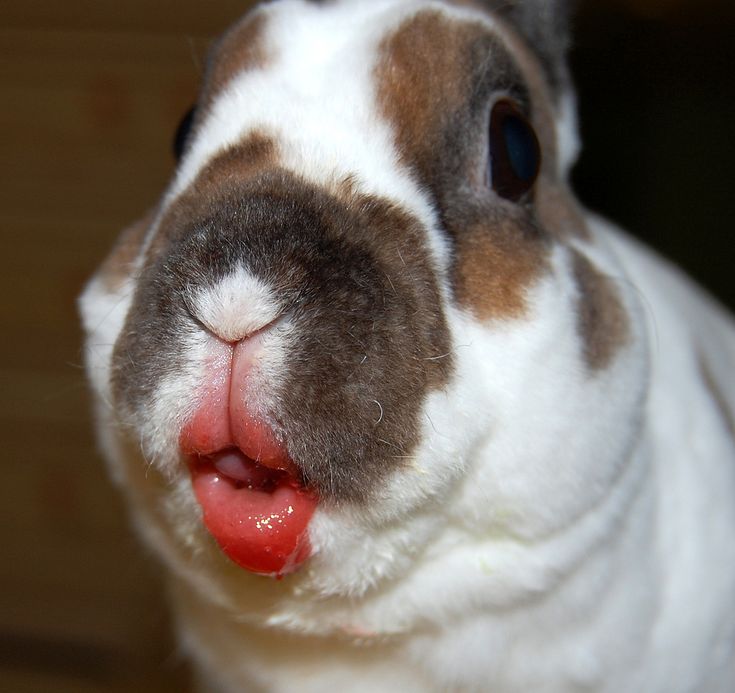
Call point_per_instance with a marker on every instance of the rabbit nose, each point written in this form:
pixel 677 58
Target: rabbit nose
pixel 235 308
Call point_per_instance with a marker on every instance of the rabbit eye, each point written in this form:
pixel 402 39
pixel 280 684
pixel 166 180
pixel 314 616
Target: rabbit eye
pixel 182 133
pixel 515 154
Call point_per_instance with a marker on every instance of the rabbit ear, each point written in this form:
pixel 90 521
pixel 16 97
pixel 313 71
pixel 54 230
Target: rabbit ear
pixel 545 24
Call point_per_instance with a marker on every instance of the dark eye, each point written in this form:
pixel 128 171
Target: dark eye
pixel 182 133
pixel 515 154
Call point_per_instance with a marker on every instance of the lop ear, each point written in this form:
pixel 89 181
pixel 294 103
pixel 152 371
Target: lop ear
pixel 545 25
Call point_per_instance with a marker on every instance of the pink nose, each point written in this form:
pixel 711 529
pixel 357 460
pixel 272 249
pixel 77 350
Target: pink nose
pixel 227 413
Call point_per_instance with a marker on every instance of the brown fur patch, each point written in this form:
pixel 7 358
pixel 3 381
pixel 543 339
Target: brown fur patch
pixel 418 83
pixel 436 77
pixel 602 320
pixel 117 266
pixel 230 168
pixel 241 48
pixel 497 264
pixel 713 387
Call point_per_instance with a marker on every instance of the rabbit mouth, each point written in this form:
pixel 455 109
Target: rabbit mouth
pixel 253 499
pixel 258 514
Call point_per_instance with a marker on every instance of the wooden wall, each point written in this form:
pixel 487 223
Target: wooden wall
pixel 92 91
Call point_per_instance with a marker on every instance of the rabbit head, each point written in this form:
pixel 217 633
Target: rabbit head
pixel 367 336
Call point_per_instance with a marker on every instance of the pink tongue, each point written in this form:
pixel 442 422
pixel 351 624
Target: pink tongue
pixel 258 515
pixel 233 464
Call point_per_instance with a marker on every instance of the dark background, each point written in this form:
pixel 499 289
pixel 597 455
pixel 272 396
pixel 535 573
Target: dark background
pixel 657 109
pixel 92 91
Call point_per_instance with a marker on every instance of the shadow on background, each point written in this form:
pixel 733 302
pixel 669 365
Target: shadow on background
pixel 93 90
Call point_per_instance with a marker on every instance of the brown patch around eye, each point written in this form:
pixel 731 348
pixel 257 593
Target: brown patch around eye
pixel 241 48
pixel 117 267
pixel 436 79
pixel 422 75
pixel 495 265
pixel 602 321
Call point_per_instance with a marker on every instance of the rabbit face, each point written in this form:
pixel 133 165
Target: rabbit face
pixel 367 305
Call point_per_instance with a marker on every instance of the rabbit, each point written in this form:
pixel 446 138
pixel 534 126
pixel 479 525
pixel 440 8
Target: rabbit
pixel 393 409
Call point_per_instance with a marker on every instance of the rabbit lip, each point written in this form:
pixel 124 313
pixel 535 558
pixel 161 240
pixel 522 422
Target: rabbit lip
pixel 251 494
pixel 257 514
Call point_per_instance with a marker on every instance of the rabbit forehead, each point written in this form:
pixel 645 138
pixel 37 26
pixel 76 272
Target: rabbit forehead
pixel 314 75
pixel 309 85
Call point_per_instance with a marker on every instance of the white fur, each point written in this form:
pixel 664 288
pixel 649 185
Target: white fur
pixel 529 545
pixel 103 313
pixel 236 307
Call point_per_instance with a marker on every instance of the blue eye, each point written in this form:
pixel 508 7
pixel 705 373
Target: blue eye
pixel 515 154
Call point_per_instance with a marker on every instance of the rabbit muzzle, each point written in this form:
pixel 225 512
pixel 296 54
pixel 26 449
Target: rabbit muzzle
pixel 310 337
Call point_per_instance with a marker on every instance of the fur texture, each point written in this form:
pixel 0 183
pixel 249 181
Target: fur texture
pixel 518 421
